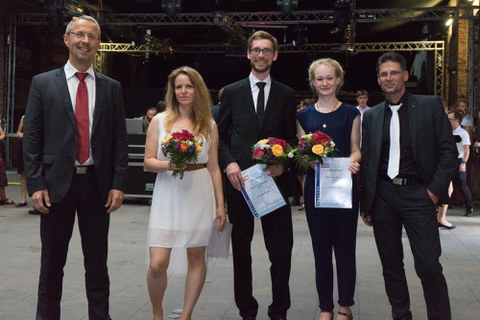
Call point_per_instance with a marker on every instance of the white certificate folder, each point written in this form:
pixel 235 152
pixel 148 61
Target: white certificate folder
pixel 333 184
pixel 219 243
pixel 261 192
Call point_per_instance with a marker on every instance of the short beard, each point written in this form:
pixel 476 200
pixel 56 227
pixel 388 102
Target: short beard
pixel 259 70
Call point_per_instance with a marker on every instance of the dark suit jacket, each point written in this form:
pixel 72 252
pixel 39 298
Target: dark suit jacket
pixel 50 135
pixel 237 121
pixel 433 146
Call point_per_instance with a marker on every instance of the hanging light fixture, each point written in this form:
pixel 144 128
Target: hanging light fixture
pixel 287 6
pixel 172 7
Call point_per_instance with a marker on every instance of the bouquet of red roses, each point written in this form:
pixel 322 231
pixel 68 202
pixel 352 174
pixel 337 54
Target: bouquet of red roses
pixel 313 146
pixel 182 148
pixel 272 151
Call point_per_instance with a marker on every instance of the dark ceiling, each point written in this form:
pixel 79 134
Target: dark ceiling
pixel 220 69
pixel 285 32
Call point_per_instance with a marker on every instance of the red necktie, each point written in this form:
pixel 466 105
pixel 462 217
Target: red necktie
pixel 81 115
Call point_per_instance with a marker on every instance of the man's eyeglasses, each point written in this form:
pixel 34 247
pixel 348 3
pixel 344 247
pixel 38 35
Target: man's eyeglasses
pixel 79 35
pixel 391 74
pixel 266 51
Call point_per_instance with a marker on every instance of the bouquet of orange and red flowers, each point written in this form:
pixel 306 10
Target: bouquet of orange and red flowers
pixel 272 151
pixel 313 147
pixel 182 148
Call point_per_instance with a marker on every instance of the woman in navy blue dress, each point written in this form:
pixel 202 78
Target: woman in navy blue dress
pixel 332 230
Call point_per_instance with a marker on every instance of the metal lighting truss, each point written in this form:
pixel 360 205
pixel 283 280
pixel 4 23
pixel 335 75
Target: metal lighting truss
pixel 265 18
pixel 232 23
pixel 438 47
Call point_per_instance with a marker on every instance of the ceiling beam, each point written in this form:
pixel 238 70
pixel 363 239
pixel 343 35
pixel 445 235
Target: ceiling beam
pixel 264 18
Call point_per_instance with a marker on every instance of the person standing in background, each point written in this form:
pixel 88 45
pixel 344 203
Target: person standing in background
pixel 20 166
pixel 467 121
pixel 151 112
pixel 216 106
pixel 362 100
pixel 244 119
pixel 161 106
pixel 299 174
pixel 3 172
pixel 408 161
pixel 463 146
pixel 76 160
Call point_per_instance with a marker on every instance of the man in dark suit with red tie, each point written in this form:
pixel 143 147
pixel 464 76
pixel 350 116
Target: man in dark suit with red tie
pixel 76 160
pixel 408 160
pixel 255 108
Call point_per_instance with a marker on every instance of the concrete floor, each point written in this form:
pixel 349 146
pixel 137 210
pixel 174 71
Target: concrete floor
pixel 20 258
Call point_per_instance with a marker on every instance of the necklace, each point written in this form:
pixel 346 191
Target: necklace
pixel 324 125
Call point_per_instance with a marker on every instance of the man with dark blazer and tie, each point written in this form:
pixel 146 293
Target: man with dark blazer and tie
pixel 243 120
pixel 76 161
pixel 402 178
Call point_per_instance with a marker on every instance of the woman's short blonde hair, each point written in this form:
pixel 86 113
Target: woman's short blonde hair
pixel 339 73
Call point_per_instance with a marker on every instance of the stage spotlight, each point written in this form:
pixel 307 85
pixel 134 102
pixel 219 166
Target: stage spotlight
pixel 449 22
pixel 287 6
pixel 172 7
pixel 142 37
pixel 342 13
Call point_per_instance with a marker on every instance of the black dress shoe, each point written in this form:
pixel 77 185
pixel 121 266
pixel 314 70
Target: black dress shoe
pixel 469 212
pixel 34 211
pixel 21 204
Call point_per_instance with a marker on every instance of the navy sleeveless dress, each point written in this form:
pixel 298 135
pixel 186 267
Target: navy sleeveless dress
pixel 332 228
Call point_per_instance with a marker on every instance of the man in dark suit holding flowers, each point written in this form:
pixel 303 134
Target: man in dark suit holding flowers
pixel 242 122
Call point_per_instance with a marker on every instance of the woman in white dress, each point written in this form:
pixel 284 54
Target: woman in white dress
pixel 183 210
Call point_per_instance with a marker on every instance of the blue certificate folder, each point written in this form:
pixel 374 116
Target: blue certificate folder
pixel 261 192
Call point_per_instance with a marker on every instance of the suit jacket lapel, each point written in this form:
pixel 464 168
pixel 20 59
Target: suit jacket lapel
pixel 378 123
pixel 413 122
pixel 99 101
pixel 61 83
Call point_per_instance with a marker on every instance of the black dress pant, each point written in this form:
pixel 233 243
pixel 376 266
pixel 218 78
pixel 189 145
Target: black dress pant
pixel 278 237
pixel 333 231
pixel 409 206
pixel 56 229
pixel 460 178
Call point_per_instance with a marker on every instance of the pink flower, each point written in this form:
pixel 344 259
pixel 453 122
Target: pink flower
pixel 313 147
pixel 182 148
pixel 183 135
pixel 271 151
pixel 258 152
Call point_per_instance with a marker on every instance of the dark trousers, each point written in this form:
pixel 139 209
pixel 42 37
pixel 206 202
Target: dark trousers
pixel 461 179
pixel 409 206
pixel 332 230
pixel 56 229
pixel 278 237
